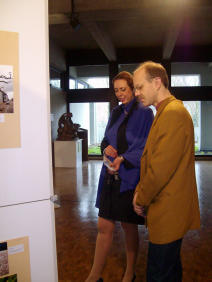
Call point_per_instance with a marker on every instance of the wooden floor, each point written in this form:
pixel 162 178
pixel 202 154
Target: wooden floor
pixel 76 229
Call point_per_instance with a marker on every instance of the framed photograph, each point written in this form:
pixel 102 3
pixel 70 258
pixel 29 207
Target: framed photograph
pixel 15 260
pixel 4 265
pixel 6 89
pixel 9 90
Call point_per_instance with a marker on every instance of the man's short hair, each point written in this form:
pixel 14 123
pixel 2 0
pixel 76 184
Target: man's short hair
pixel 153 70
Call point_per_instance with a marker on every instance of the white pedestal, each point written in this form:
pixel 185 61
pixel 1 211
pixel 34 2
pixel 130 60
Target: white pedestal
pixel 68 153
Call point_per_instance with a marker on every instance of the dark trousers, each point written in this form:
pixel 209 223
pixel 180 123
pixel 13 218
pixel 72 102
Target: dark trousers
pixel 164 262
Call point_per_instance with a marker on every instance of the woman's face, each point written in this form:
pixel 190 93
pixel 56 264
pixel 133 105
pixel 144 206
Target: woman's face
pixel 123 91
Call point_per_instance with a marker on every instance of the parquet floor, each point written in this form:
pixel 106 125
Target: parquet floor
pixel 76 229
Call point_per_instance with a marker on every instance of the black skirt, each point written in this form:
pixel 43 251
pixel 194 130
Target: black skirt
pixel 116 205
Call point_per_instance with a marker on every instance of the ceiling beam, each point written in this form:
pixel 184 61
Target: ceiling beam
pixel 182 11
pixel 110 15
pixel 59 19
pixel 102 38
pixel 174 28
pixel 171 38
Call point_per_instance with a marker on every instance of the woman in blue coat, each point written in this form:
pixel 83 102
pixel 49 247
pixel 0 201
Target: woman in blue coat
pixel 122 147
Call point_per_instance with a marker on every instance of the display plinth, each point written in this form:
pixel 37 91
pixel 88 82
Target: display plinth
pixel 68 153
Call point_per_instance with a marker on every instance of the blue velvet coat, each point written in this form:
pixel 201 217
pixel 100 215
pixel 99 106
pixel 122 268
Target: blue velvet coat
pixel 137 130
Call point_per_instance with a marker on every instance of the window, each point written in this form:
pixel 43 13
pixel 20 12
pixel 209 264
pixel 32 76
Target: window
pixel 80 85
pixel 193 108
pixel 201 114
pixel 98 82
pixel 72 84
pixel 153 109
pixel 95 82
pixel 185 80
pixel 55 83
pixel 191 74
pixel 89 76
pixel 94 118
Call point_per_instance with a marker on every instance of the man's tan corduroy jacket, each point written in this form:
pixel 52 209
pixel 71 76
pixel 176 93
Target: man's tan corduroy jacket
pixel 167 184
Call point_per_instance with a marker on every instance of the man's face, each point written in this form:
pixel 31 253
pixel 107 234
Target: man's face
pixel 144 88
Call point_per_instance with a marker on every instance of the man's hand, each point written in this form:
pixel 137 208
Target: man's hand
pixel 138 209
pixel 110 151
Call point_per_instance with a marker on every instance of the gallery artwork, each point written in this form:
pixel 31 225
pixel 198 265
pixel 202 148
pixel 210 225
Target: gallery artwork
pixel 67 130
pixel 14 260
pixel 4 265
pixel 11 278
pixel 6 89
pixel 9 90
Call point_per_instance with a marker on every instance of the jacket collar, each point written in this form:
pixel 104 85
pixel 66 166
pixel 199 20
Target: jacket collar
pixel 162 106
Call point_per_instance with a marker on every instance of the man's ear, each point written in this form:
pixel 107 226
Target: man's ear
pixel 157 83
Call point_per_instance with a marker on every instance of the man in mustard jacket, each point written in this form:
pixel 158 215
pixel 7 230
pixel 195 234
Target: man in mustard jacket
pixel 166 194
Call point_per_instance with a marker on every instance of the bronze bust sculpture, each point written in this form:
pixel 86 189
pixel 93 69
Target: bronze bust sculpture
pixel 67 130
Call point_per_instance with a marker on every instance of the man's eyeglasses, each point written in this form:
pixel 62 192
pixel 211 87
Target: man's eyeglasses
pixel 138 88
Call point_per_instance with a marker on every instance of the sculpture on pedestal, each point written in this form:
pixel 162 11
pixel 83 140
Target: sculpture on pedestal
pixel 67 130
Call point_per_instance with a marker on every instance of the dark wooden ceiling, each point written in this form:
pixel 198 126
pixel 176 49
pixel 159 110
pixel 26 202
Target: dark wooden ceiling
pixel 115 25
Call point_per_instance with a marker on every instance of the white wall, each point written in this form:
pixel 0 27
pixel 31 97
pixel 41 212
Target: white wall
pixel 33 220
pixel 26 172
pixel 30 164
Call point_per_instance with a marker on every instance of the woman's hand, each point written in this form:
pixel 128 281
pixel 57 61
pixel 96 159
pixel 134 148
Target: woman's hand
pixel 110 151
pixel 116 163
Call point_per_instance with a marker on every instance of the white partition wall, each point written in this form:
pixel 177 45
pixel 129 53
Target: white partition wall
pixel 25 172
